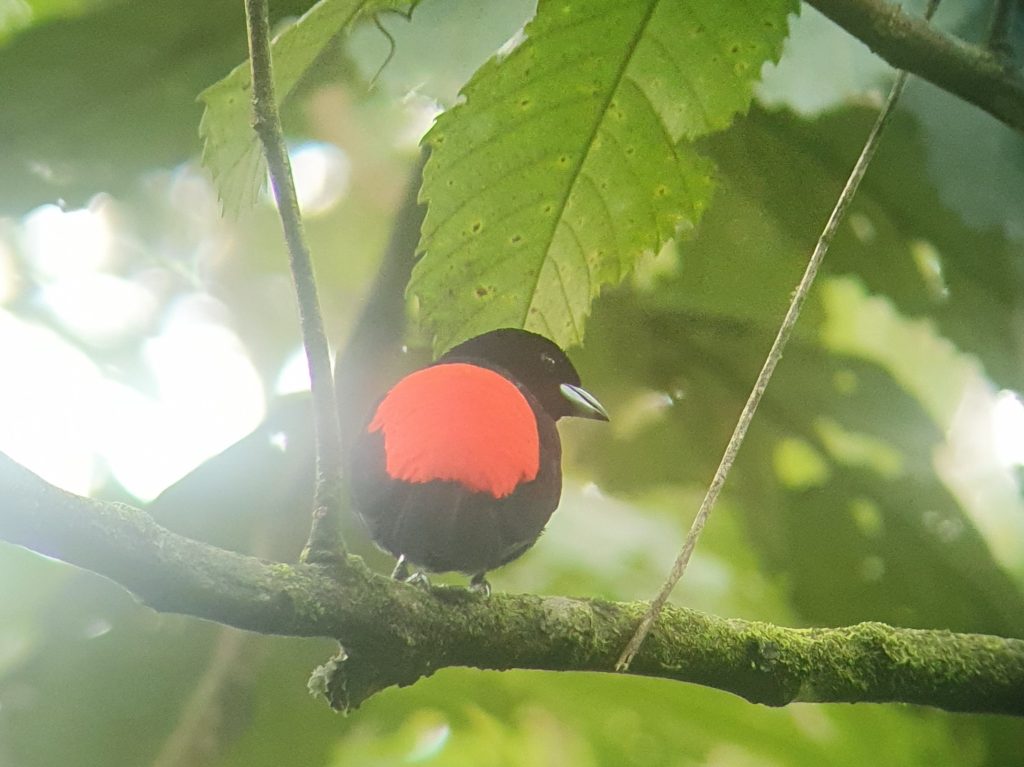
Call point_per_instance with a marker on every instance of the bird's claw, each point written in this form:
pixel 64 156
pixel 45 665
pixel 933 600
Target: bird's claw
pixel 478 584
pixel 420 579
pixel 401 573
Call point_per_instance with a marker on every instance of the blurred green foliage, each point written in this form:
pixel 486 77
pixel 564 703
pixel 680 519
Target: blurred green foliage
pixel 840 509
pixel 92 101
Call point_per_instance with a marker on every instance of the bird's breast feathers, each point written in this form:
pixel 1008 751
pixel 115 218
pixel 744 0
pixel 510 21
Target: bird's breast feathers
pixel 462 423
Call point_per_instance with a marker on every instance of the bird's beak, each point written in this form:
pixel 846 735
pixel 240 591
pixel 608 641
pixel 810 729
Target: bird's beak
pixel 583 404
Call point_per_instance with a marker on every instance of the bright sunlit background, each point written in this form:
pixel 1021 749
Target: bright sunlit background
pixel 191 390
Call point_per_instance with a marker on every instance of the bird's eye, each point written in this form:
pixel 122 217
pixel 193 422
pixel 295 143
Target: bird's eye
pixel 548 360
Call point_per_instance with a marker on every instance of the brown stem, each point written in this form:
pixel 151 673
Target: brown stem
pixel 325 545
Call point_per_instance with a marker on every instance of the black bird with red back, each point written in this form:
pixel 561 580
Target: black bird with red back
pixel 459 465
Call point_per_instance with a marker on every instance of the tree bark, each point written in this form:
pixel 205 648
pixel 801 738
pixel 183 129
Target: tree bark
pixel 979 76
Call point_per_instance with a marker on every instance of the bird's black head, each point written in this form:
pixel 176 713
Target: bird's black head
pixel 538 364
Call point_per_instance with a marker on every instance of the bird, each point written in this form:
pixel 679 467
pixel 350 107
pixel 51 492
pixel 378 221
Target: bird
pixel 458 466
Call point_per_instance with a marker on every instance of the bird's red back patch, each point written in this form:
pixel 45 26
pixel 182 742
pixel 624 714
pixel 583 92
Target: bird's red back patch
pixel 461 423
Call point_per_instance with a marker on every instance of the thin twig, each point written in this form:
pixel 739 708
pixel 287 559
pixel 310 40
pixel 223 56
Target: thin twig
pixel 324 545
pixel 999 29
pixel 774 355
pixel 391 50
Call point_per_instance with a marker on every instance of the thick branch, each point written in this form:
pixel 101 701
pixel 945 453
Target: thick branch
pixel 979 76
pixel 395 633
pixel 324 539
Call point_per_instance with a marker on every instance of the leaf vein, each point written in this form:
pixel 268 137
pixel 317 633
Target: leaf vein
pixel 589 143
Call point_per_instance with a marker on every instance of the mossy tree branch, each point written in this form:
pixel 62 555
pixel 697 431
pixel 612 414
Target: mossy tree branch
pixel 395 633
pixel 983 77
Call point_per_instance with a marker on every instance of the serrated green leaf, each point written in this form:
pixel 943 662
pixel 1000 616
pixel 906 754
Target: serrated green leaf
pixel 563 166
pixel 231 150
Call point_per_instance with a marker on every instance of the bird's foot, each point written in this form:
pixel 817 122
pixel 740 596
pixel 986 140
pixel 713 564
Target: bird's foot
pixel 401 573
pixel 419 578
pixel 479 585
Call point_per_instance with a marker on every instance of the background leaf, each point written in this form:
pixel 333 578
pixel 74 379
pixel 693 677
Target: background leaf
pixel 231 151
pixel 863 524
pixel 91 102
pixel 438 48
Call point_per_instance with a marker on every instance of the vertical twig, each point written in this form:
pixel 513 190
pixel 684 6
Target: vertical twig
pixel 371 360
pixel 324 543
pixel 999 29
pixel 774 355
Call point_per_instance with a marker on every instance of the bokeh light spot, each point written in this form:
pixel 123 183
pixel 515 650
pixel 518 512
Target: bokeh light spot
pixel 1008 428
pixel 322 173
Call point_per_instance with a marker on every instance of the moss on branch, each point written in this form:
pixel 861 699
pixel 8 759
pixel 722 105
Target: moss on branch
pixel 395 633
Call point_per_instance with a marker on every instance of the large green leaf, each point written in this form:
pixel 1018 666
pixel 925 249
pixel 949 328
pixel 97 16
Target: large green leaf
pixel 564 165
pixel 231 150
